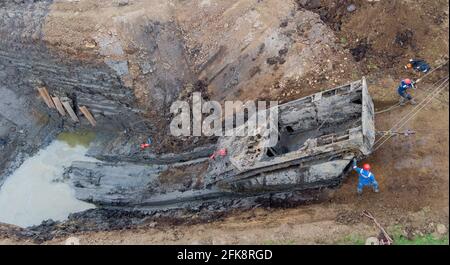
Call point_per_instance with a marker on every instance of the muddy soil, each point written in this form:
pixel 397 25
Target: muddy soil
pixel 375 40
pixel 413 176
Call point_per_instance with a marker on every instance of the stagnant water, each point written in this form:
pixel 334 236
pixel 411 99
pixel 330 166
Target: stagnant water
pixel 36 191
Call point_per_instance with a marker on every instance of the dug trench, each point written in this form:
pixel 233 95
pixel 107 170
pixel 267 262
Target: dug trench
pixel 126 85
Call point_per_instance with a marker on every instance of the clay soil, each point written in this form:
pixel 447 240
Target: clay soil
pixel 413 176
pixel 413 171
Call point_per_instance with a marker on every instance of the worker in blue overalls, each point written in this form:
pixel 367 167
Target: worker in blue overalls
pixel 366 178
pixel 402 90
pixel 418 65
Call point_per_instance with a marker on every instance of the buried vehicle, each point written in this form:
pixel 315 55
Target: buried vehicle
pixel 318 136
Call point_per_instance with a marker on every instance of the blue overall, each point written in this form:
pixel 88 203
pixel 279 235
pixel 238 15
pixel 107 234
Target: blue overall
pixel 366 178
pixel 420 65
pixel 402 90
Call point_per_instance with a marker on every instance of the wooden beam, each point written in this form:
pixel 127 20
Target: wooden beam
pixel 59 106
pixel 46 97
pixel 42 94
pixel 70 111
pixel 88 115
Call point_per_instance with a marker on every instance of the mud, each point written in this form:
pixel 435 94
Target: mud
pixel 129 71
pixel 215 188
pixel 107 219
pixel 130 77
pixel 360 51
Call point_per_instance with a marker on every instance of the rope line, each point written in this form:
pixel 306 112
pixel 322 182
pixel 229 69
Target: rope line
pixel 396 105
pixel 414 112
pixel 419 80
pixel 403 124
pixel 416 107
pixel 432 94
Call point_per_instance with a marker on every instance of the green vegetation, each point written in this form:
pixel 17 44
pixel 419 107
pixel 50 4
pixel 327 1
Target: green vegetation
pixel 421 240
pixel 279 242
pixel 399 238
pixel 429 239
pixel 83 138
pixel 352 239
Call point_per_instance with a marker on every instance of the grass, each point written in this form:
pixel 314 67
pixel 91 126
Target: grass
pixel 429 239
pixel 279 242
pixel 399 239
pixel 352 239
pixel 421 240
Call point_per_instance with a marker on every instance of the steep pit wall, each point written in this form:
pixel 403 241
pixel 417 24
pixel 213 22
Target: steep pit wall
pixel 128 63
pixel 165 50
pixel 25 123
pixel 36 51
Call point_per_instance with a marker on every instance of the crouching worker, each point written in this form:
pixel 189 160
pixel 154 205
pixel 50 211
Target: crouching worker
pixel 418 65
pixel 402 90
pixel 146 144
pixel 366 178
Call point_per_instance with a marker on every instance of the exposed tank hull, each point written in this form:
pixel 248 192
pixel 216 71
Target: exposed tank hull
pixel 319 135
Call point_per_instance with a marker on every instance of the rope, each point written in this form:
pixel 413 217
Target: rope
pixel 405 133
pixel 404 123
pixel 420 79
pixel 434 84
pixel 396 105
pixel 416 110
pixel 412 112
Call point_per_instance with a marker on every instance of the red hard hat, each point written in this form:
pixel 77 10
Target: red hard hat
pixel 222 152
pixel 407 81
pixel 143 146
pixel 366 167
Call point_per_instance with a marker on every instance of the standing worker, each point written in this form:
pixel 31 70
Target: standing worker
pixel 403 91
pixel 366 178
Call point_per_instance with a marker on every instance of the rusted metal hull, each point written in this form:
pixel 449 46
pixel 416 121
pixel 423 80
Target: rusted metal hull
pixel 319 136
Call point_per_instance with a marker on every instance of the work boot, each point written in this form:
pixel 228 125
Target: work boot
pixel 376 190
pixel 413 102
pixel 402 102
pixel 359 192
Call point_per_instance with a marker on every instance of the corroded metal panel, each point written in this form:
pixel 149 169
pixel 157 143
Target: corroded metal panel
pixel 319 137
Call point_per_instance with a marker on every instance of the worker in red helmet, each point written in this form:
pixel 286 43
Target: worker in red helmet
pixel 402 90
pixel 418 65
pixel 366 178
pixel 220 152
pixel 146 144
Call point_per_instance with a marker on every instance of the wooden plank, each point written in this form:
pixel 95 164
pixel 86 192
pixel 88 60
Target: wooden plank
pixel 59 106
pixel 49 99
pixel 88 115
pixel 46 97
pixel 41 93
pixel 70 111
